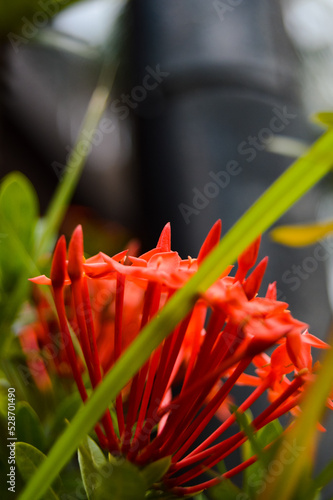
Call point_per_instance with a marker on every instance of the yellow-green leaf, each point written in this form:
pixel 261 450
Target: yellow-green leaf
pixel 302 235
pixel 323 118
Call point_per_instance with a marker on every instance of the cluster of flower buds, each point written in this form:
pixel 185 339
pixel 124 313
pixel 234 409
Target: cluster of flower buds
pixel 106 302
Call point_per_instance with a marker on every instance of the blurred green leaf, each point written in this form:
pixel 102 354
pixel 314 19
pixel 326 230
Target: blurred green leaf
pixel 28 426
pixel 18 219
pixel 301 235
pixel 28 459
pixel 65 410
pixel 102 479
pixel 155 471
pixel 20 20
pixel 257 475
pixel 323 118
pixel 226 490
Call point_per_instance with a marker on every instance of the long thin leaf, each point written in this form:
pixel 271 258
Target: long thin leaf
pixel 299 178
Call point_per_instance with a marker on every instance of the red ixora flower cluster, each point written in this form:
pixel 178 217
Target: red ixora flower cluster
pixel 108 300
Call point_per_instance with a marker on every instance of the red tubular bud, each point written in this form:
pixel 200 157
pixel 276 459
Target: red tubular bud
pixel 58 269
pixel 253 282
pixel 75 255
pixel 164 242
pixel 247 259
pixel 211 241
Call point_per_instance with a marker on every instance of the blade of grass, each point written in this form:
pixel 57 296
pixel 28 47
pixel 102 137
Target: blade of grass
pixel 299 178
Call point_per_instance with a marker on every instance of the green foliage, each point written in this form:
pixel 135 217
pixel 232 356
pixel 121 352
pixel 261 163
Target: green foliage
pixel 28 426
pixel 155 471
pixel 18 219
pixel 103 479
pixel 258 474
pixel 22 17
pixel 226 490
pixel 28 459
pixel 324 118
pixel 323 479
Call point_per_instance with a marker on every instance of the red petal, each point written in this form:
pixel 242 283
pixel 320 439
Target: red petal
pixel 41 280
pixel 211 241
pixel 314 341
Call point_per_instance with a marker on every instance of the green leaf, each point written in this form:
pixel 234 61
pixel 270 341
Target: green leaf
pixel 19 206
pixel 258 474
pixel 28 459
pixel 299 178
pixel 102 479
pixel 28 426
pixel 18 218
pixel 323 118
pixel 91 458
pixel 226 490
pixel 155 471
pixel 319 482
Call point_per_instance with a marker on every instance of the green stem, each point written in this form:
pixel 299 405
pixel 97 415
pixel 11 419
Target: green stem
pixel 300 177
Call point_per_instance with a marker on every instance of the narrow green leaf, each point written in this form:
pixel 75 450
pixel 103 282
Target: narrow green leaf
pixel 28 459
pixel 299 178
pixel 324 478
pixel 155 471
pixel 28 426
pixel 256 476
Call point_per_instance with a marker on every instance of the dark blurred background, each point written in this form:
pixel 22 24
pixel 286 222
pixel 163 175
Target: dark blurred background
pixel 210 105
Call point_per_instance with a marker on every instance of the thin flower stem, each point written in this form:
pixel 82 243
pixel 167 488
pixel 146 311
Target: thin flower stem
pixel 67 341
pixel 200 422
pixel 117 344
pixel 230 420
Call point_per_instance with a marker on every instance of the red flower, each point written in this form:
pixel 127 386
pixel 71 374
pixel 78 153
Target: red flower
pixel 229 327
